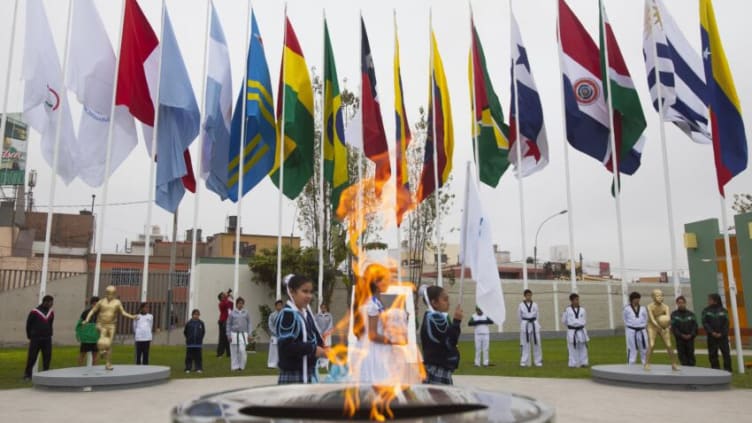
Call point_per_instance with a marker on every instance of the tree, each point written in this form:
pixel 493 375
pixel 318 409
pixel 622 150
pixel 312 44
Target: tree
pixel 742 203
pixel 303 261
pixel 420 223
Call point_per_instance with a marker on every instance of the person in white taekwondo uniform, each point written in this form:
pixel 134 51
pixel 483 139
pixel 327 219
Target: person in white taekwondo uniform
pixel 529 331
pixel 635 322
pixel 574 319
pixel 480 322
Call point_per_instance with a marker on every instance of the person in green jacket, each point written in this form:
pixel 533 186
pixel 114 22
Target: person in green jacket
pixel 87 334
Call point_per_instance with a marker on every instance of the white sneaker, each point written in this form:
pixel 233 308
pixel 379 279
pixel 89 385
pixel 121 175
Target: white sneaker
pixel 199 371
pixel 187 371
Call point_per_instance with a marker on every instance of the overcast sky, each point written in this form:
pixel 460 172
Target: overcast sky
pixel 646 238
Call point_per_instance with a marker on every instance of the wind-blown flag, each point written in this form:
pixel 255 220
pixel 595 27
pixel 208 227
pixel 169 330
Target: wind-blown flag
pixel 374 137
pixel 260 129
pixel 138 75
pixel 682 79
pixel 488 123
pixel 534 147
pixel 628 119
pixel 729 139
pixel 477 253
pixel 587 120
pixel 440 121
pixel 402 138
pixel 91 75
pixel 44 93
pixel 296 118
pixel 178 125
pixel 335 149
pixel 215 147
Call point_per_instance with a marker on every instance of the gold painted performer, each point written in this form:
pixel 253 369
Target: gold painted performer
pixel 659 321
pixel 108 309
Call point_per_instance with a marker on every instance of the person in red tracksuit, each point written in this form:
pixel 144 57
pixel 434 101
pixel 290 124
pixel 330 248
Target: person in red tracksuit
pixel 225 306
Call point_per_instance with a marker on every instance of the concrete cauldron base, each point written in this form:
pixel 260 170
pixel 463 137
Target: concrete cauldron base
pixel 325 402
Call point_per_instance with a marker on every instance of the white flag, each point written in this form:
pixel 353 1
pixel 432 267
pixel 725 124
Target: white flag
pixel 91 75
pixel 43 92
pixel 477 254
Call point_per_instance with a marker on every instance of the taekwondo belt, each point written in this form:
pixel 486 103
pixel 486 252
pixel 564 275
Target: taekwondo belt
pixel 530 321
pixel 574 336
pixel 642 335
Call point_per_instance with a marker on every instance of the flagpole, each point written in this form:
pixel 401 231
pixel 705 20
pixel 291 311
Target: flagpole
pixel 397 183
pixel 321 166
pixel 360 214
pixel 196 198
pixel 281 163
pixel 4 116
pixel 437 188
pixel 666 173
pixel 152 170
pixel 472 93
pixel 55 156
pixel 464 235
pixel 732 287
pixel 570 204
pixel 518 144
pixel 614 159
pixel 108 161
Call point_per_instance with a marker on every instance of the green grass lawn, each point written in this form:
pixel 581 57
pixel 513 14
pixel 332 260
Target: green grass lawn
pixel 504 354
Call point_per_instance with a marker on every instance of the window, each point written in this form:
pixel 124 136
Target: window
pixel 126 277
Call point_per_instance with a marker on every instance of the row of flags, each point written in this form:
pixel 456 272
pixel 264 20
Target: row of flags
pixel 241 147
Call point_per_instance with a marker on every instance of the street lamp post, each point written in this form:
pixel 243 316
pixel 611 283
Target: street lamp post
pixel 535 247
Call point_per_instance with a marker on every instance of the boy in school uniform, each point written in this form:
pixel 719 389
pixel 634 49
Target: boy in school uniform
pixel 194 332
pixel 529 331
pixel 575 319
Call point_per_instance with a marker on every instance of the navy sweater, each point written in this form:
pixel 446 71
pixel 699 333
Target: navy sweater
pixel 194 333
pixel 290 343
pixel 439 340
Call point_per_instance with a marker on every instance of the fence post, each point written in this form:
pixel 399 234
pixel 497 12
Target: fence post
pixel 610 306
pixel 556 306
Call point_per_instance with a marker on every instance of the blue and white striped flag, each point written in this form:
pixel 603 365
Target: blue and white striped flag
pixel 681 73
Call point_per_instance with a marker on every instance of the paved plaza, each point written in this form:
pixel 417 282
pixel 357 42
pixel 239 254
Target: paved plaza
pixel 575 400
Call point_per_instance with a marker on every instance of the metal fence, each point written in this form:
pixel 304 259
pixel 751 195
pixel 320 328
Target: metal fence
pixel 11 279
pixel 167 297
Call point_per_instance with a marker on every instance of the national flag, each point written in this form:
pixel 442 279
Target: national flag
pixel 296 119
pixel 682 78
pixel 587 120
pixel 534 147
pixel 260 129
pixel 178 125
pixel 215 146
pixel 727 126
pixel 335 149
pixel 489 130
pixel 138 76
pixel 477 254
pixel 628 118
pixel 440 122
pixel 91 75
pixel 374 137
pixel 402 138
pixel 44 102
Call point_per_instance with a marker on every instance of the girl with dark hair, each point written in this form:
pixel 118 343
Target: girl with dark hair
pixel 238 329
pixel 299 341
pixel 439 336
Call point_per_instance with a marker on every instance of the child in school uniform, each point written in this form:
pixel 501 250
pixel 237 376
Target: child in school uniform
pixel 480 322
pixel 194 332
pixel 142 333
pixel 439 336
pixel 299 342
pixel 238 330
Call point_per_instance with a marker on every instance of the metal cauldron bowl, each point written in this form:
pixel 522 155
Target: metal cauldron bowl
pixel 325 402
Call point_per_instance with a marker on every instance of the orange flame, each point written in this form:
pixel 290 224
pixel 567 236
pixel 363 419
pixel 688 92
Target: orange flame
pixel 356 203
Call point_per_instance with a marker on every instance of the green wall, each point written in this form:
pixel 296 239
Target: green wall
pixel 744 248
pixel 703 273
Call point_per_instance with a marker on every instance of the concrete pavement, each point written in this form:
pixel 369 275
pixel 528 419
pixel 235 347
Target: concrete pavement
pixel 575 400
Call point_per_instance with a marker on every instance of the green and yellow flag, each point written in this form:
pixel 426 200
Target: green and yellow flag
pixel 335 150
pixel 294 119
